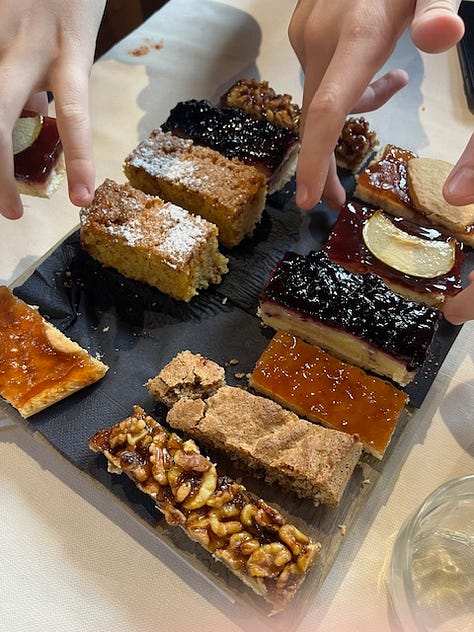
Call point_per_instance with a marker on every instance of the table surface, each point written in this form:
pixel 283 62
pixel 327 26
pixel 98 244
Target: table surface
pixel 72 557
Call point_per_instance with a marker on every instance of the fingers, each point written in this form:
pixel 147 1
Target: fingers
pixel 381 91
pixel 459 187
pixel 71 89
pixel 460 308
pixel 436 27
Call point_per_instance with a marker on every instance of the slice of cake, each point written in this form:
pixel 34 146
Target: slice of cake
pixel 38 155
pixel 188 375
pixel 226 192
pixel 420 263
pixel 259 99
pixel 272 150
pixel 312 461
pixel 386 183
pixel 321 388
pixel 251 538
pixel 152 241
pixel 355 317
pixel 39 365
pixel 355 144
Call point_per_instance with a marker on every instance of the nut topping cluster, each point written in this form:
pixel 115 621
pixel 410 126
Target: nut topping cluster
pixel 260 100
pixel 245 533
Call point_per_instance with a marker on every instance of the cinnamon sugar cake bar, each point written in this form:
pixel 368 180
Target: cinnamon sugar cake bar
pixel 152 241
pixel 226 192
pixel 355 317
pixel 254 540
pixel 312 461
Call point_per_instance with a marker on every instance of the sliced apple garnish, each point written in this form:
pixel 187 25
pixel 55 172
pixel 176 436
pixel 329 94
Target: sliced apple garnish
pixel 407 253
pixel 25 132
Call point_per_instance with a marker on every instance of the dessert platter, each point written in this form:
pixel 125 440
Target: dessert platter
pixel 234 372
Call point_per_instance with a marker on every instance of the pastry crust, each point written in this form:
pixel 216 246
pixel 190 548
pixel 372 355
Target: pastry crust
pixel 426 177
pixel 52 365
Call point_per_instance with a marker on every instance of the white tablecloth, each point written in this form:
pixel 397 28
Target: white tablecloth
pixel 73 559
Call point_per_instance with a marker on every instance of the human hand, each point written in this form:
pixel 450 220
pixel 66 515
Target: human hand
pixel 460 308
pixel 341 46
pixel 48 45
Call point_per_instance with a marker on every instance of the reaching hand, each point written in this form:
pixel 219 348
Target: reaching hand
pixel 460 308
pixel 341 46
pixel 48 45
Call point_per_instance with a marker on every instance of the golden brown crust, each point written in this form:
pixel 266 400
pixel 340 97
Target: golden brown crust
pixel 426 177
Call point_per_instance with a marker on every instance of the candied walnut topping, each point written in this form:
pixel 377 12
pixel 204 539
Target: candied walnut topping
pixel 355 143
pixel 261 101
pixel 252 538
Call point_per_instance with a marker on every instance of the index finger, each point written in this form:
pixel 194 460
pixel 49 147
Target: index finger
pixel 340 89
pixel 71 91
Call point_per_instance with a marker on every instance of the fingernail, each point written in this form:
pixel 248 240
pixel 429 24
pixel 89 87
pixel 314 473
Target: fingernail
pixel 302 196
pixel 80 194
pixel 460 185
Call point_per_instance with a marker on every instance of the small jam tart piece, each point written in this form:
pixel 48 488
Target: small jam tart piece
pixel 254 540
pixel 386 183
pixel 355 317
pixel 321 388
pixel 38 364
pixel 152 241
pixel 347 246
pixel 355 144
pixel 235 134
pixel 39 167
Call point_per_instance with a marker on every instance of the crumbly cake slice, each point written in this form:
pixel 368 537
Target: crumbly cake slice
pixel 226 192
pixel 251 538
pixel 39 169
pixel 321 388
pixel 312 461
pixel 355 317
pixel 152 241
pixel 235 134
pixel 39 365
pixel 346 246
pixel 187 375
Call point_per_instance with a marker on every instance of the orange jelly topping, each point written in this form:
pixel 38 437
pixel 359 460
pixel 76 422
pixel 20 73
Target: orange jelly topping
pixel 29 363
pixel 321 388
pixel 389 174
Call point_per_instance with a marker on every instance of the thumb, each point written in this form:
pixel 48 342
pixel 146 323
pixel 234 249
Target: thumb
pixel 436 26
pixel 459 187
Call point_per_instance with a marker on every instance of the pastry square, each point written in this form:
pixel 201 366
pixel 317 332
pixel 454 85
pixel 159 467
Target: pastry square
pixel 355 144
pixel 226 192
pixel 355 317
pixel 152 241
pixel 242 531
pixel 39 365
pixel 346 245
pixel 271 149
pixel 318 386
